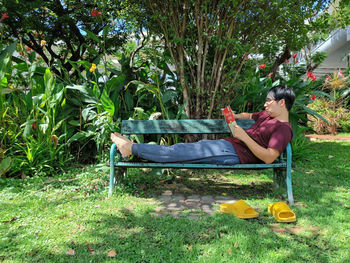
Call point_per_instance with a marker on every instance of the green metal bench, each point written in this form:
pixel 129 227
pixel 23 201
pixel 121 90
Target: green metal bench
pixel 282 167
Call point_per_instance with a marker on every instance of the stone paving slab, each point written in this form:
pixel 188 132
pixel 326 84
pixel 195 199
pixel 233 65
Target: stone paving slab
pixel 190 206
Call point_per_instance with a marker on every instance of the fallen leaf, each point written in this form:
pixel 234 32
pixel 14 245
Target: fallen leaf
pixel 330 156
pixel 296 230
pixel 300 204
pixel 190 247
pixel 236 245
pixel 11 220
pixel 112 254
pixel 91 251
pixel 279 230
pixel 70 252
pixel 229 251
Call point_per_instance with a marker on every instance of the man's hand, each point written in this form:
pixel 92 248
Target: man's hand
pixel 240 133
pixel 266 155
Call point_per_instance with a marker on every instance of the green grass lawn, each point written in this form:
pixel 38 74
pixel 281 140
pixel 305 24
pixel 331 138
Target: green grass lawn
pixel 50 219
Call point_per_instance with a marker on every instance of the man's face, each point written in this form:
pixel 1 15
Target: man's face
pixel 273 107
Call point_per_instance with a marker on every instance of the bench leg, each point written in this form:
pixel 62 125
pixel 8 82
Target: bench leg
pixel 111 169
pixel 279 179
pixel 283 181
pixel 289 186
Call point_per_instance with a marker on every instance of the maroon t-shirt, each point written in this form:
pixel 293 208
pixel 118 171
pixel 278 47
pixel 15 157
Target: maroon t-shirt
pixel 267 132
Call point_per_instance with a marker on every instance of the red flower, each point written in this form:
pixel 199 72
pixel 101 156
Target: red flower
pixel 311 75
pixel 312 97
pixel 249 104
pixel 286 61
pixel 34 126
pixel 246 58
pixel 4 16
pixel 340 73
pixel 295 55
pixel 296 61
pixel 270 75
pixel 95 13
pixel 328 78
pixel 263 66
pixel 28 49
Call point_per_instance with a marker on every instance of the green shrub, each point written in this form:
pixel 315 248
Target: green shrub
pixel 333 112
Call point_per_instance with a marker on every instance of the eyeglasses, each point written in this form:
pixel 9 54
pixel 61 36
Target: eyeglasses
pixel 269 101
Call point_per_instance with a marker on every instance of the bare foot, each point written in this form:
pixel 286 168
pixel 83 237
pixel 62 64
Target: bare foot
pixel 124 145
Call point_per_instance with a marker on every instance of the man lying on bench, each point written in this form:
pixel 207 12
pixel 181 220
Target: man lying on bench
pixel 264 141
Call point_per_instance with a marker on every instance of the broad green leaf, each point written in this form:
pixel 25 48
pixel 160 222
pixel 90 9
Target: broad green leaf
pixel 92 35
pixel 49 82
pixel 74 123
pixel 129 100
pixel 78 136
pixel 312 112
pixel 168 95
pixel 105 31
pixel 82 88
pixel 5 165
pixel 27 128
pixel 96 90
pixel 107 103
pixel 58 125
pixel 87 112
pixel 115 83
pixel 86 64
pixel 11 48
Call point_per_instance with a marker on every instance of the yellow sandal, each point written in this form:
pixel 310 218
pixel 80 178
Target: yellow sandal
pixel 239 209
pixel 282 212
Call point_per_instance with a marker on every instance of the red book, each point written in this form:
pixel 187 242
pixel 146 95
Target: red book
pixel 230 119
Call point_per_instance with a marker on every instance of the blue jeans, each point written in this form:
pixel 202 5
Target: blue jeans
pixel 204 151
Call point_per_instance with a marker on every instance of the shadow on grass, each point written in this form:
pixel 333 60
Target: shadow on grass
pixel 219 238
pixel 137 236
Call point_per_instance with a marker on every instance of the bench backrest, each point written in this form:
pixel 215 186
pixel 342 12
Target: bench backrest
pixel 193 126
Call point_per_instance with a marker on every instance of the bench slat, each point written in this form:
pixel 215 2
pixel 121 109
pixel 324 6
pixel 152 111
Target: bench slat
pixel 198 126
pixel 198 166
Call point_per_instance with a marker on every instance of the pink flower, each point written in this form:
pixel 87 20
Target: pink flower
pixel 328 78
pixel 340 73
pixel 4 16
pixel 312 97
pixel 295 55
pixel 95 13
pixel 270 75
pixel 262 66
pixel 311 75
pixel 246 58
pixel 286 61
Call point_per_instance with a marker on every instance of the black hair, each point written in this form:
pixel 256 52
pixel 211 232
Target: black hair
pixel 282 92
